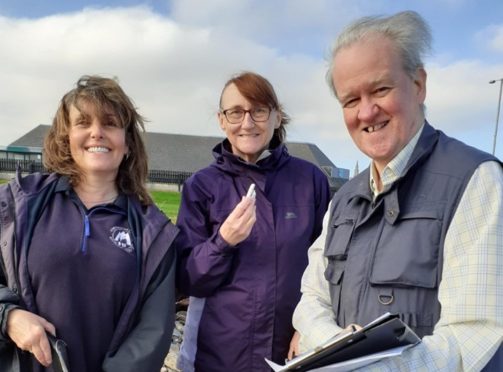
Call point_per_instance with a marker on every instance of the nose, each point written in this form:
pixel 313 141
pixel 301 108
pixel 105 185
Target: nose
pixel 367 110
pixel 96 129
pixel 247 121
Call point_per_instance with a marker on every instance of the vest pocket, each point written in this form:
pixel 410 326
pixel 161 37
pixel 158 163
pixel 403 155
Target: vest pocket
pixel 339 236
pixel 335 270
pixel 334 274
pixel 407 251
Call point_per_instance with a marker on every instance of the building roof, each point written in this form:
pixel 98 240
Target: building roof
pixel 33 139
pixel 187 153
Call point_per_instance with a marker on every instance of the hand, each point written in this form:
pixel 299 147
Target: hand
pixel 352 327
pixel 239 223
pixel 293 351
pixel 28 331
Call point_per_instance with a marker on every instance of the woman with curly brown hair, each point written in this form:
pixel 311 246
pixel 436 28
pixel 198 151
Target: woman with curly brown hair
pixel 85 254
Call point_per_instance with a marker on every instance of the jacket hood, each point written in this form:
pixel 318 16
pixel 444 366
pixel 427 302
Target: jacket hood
pixel 32 183
pixel 228 162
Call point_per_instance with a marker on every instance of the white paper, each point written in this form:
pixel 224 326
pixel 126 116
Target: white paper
pixel 351 364
pixel 348 365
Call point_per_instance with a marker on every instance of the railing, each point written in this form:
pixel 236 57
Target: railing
pixel 29 166
pixel 155 176
pixel 170 177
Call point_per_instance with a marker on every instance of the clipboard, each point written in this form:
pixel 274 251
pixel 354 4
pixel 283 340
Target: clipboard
pixel 384 333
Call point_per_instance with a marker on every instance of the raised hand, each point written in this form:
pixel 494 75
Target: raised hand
pixel 239 223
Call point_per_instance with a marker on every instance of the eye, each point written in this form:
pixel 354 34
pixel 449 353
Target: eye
pixel 235 113
pixel 81 122
pixel 350 103
pixel 382 91
pixel 112 123
pixel 261 110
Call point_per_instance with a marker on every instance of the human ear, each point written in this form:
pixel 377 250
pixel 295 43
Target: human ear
pixel 221 120
pixel 420 83
pixel 278 120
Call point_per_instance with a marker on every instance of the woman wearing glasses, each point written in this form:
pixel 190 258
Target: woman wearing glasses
pixel 242 256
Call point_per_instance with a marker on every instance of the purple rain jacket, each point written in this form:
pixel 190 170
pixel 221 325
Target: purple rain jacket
pixel 143 335
pixel 250 289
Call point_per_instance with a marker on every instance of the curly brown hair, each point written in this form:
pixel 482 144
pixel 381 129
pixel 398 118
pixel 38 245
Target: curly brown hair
pixel 103 93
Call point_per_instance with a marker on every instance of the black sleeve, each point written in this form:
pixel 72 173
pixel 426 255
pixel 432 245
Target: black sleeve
pixel 148 343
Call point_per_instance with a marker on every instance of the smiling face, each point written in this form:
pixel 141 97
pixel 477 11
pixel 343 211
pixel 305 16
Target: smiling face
pixel 97 140
pixel 248 138
pixel 380 101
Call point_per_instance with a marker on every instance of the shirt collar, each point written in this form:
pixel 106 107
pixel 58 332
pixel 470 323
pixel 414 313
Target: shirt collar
pixel 65 186
pixel 394 169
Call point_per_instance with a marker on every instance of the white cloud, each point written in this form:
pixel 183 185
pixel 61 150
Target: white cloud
pixel 173 72
pixel 174 68
pixel 462 102
pixel 496 42
pixel 285 24
pixel 491 37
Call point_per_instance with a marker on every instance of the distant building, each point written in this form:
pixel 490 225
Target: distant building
pixel 357 170
pixel 183 154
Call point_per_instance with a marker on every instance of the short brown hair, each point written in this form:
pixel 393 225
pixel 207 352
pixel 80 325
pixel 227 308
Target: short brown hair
pixel 258 90
pixel 103 93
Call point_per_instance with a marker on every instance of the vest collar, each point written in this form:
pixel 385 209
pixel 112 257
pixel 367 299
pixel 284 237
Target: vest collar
pixel 427 141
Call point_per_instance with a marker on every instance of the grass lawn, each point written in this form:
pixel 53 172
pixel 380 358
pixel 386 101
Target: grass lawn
pixel 168 202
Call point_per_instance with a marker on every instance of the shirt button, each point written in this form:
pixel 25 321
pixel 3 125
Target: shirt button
pixel 391 212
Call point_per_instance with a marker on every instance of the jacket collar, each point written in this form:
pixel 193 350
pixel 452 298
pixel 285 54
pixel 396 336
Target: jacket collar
pixel 229 162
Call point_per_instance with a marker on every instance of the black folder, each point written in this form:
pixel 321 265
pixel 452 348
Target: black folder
pixel 384 333
pixel 59 354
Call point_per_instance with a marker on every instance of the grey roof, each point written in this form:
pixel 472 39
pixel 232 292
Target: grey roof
pixel 179 152
pixel 187 153
pixel 34 138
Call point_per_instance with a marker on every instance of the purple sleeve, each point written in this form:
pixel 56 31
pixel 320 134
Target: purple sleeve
pixel 204 257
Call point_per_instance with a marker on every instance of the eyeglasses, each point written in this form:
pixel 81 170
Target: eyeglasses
pixel 237 115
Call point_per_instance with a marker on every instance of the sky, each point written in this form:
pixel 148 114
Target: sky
pixel 172 57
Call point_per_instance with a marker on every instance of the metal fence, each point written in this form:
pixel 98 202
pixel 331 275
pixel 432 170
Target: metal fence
pixel 154 176
pixel 171 177
pixel 29 166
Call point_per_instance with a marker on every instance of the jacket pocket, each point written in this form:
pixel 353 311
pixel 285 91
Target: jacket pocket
pixel 334 273
pixel 339 236
pixel 408 251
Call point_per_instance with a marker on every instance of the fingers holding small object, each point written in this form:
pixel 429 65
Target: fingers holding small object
pixel 251 191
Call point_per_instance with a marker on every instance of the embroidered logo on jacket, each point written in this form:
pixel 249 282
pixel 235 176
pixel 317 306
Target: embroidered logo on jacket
pixel 121 237
pixel 290 215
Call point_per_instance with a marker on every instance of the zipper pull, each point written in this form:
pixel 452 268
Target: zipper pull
pixel 87 232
